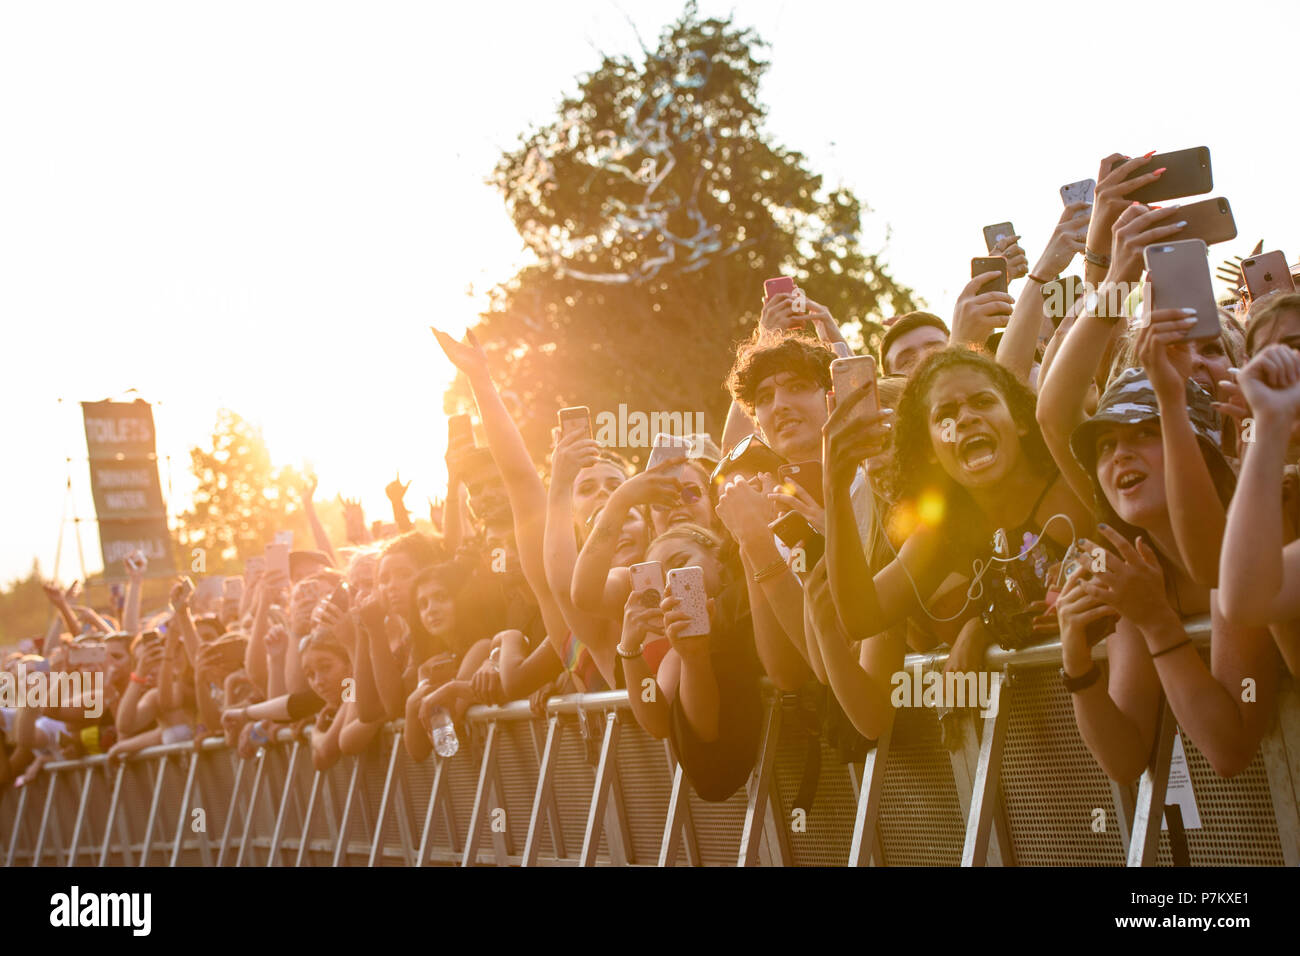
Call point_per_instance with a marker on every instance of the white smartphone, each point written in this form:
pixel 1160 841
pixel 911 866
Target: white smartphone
pixel 850 374
pixel 687 585
pixel 285 538
pixel 667 448
pixel 87 654
pixel 648 578
pixel 1082 191
pixel 136 560
pixel 277 557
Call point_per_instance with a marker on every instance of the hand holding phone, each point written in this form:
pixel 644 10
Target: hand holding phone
pixel 575 418
pixel 687 586
pixel 1179 276
pixel 647 580
pixel 277 559
pixel 667 448
pixel 997 232
pixel 1267 273
pixel 1082 191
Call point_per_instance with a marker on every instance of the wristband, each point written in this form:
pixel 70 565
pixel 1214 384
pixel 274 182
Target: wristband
pixel 1034 278
pixel 771 571
pixel 139 679
pixel 618 649
pixel 1083 681
pixel 1092 258
pixel 1183 643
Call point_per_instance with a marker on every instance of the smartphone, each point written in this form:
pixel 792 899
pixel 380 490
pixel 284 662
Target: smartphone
pixel 687 585
pixel 807 475
pixel 1179 273
pixel 136 560
pixel 1060 296
pixel 232 588
pixel 648 580
pixel 851 374
pixel 996 232
pixel 841 350
pixel 667 448
pixel 187 588
pixel 87 654
pixel 277 558
pixel 341 597
pixel 1267 273
pixel 285 538
pixel 794 531
pixel 1209 220
pixel 748 457
pixel 1082 191
pixel 575 418
pixel 1187 173
pixel 255 566
pixel 979 266
pixel 460 431
pixel 778 285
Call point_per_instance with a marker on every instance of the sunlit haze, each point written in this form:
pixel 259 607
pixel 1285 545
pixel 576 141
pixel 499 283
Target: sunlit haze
pixel 263 206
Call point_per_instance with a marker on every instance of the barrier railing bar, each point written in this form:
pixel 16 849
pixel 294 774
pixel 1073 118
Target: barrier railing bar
pixel 272 857
pixel 111 818
pixel 1149 811
pixel 984 787
pixel 181 821
pixel 82 803
pixel 160 775
pixel 381 816
pixel 431 811
pixel 480 795
pixel 403 805
pixel 871 789
pixel 600 792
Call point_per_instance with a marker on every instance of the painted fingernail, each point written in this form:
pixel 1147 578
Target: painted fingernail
pixel 1101 524
pixel 1179 225
pixel 1161 171
pixel 1187 311
pixel 1149 155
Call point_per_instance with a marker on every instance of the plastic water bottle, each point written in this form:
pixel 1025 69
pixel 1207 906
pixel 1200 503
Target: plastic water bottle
pixel 443 733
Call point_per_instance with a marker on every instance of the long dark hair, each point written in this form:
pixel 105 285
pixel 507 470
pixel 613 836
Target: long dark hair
pixel 914 473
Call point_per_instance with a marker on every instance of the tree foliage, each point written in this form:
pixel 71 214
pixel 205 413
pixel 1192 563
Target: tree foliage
pixel 656 204
pixel 242 499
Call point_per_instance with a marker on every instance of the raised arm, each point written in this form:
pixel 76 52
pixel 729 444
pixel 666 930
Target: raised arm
pixel 308 491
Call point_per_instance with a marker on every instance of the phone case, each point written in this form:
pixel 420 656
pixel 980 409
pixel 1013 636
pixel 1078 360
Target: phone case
pixel 1082 191
pixel 667 448
pixel 778 285
pixel 687 585
pixel 1267 273
pixel 1187 173
pixel 807 475
pixel 82 655
pixel 794 531
pixel 575 418
pixel 647 576
pixel 749 456
pixel 1209 220
pixel 997 231
pixel 1180 279
pixel 979 266
pixel 850 374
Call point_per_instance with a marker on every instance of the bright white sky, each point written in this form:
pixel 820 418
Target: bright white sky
pixel 260 204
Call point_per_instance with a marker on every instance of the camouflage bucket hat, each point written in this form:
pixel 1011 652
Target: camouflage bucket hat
pixel 1130 399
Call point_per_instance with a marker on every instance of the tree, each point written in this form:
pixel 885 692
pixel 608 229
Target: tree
pixel 241 500
pixel 656 205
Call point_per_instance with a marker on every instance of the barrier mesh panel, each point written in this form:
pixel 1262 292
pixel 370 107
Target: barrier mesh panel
pixel 921 822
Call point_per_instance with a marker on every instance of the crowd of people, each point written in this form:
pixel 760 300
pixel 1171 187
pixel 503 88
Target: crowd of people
pixel 1023 473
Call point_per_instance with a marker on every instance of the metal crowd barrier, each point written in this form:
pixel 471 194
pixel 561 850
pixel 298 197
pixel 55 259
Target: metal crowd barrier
pixel 586 786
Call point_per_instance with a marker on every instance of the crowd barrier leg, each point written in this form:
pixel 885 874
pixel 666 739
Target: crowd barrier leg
pixel 231 808
pixel 870 796
pixel 985 789
pixel 1281 750
pixel 304 838
pixel 600 794
pixel 965 761
pixel 354 781
pixel 544 797
pixel 679 828
pixel 622 850
pixel 552 809
pixel 112 819
pixel 254 798
pixel 86 780
pixel 289 780
pixel 1125 808
pixel 486 782
pixel 439 793
pixel 182 820
pixel 20 818
pixel 1144 844
pixel 160 774
pixel 50 787
pixel 404 806
pixel 377 843
pixel 760 786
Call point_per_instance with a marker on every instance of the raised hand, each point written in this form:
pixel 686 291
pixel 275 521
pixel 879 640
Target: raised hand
pixel 573 452
pixel 1136 228
pixel 977 314
pixel 1270 383
pixel 395 490
pixel 1068 240
pixel 467 356
pixel 1017 262
pixel 1160 332
pixel 1110 198
pixel 1132 582
pixel 848 441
